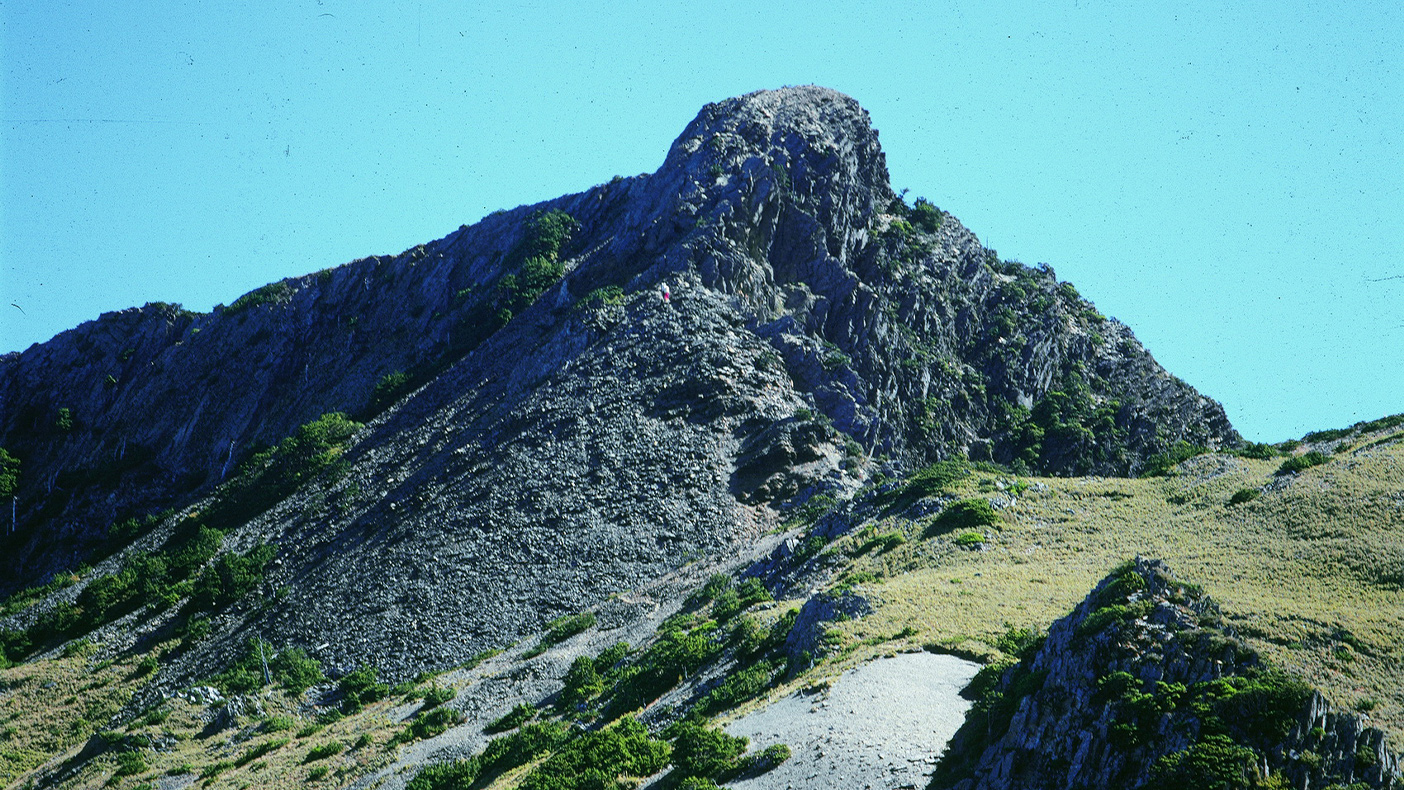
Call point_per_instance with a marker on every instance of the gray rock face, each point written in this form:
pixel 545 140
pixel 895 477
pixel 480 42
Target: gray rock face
pixel 600 436
pixel 1140 672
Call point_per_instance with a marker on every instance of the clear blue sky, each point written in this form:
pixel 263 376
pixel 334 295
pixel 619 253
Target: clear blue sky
pixel 1225 178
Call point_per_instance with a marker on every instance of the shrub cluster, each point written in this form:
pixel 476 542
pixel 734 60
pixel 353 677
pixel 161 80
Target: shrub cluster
pixel 966 515
pixel 1298 463
pixel 1163 464
pixel 1066 423
pixel 267 294
pixel 360 688
pixel 271 475
pixel 290 668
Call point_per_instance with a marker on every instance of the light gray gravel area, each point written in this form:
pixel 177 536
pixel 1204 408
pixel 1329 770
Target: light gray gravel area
pixel 880 726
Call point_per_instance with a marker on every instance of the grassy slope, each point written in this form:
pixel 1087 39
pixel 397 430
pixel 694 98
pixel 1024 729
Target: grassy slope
pixel 1310 572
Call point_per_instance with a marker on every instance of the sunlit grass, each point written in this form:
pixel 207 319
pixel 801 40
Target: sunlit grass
pixel 1310 572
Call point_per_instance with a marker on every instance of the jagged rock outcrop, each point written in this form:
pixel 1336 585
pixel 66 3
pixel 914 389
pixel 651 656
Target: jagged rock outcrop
pixel 1142 686
pixel 569 432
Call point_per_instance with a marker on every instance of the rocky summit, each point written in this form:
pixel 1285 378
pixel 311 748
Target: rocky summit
pixel 566 419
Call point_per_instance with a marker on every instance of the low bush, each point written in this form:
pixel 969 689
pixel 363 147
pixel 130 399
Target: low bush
pixel 582 684
pixel 230 577
pixel 268 294
pixel 389 389
pixel 563 628
pixel 966 514
pixel 600 758
pixel 738 687
pixel 501 755
pixel 1163 464
pixel 260 750
pixel 130 763
pixel 706 752
pixel 430 723
pixel 1261 452
pixel 360 688
pixel 271 475
pixel 512 719
pixel 330 749
pixel 1298 463
pixel 436 696
pixel 938 478
pixel 734 600
pixel 1243 495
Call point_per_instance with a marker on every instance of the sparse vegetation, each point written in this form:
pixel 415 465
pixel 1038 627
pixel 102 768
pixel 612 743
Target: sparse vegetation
pixel 267 294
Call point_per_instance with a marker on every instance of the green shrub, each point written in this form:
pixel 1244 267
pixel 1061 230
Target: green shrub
pixel 437 696
pixel 24 598
pixel 64 421
pixel 501 755
pixel 389 389
pixel 329 749
pixel 926 216
pixel 277 724
pixel 9 474
pixel 1298 463
pixel 146 666
pixel 317 774
pixel 268 294
pixel 260 750
pixel 361 687
pixel 598 759
pixel 769 758
pixel 215 769
pixel 271 475
pixel 968 539
pixel 706 752
pixel 512 719
pixel 730 601
pixel 673 656
pixel 1113 615
pixel 130 763
pixel 611 656
pixel 1214 763
pixel 887 541
pixel 965 514
pixel 608 295
pixel 1261 452
pixel 938 478
pixel 231 577
pixel 1243 495
pixel 563 628
pixel 582 683
pixel 1328 435
pixel 295 670
pixel 738 687
pixel 1163 464
pixel 430 723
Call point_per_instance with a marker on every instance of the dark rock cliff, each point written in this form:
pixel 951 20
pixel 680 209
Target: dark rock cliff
pixel 566 431
pixel 1142 686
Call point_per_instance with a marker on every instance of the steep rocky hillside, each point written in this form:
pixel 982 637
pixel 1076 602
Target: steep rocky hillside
pixel 1143 686
pixel 808 298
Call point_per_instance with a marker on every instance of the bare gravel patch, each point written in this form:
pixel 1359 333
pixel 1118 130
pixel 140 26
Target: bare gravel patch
pixel 878 727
